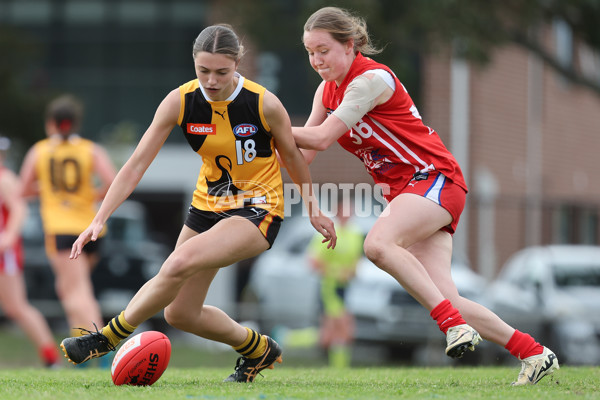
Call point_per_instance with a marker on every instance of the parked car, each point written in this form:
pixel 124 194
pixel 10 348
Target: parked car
pixel 128 258
pixel 553 293
pixel 284 283
pixel 386 315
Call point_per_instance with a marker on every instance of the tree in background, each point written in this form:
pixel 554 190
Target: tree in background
pixel 407 30
pixel 473 28
pixel 476 28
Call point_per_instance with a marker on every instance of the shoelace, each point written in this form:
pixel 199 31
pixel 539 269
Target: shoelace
pixel 93 335
pixel 239 364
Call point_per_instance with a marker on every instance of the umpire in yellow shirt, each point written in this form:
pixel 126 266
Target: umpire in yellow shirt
pixel 337 267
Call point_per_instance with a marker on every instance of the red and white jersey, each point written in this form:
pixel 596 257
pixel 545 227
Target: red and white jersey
pixel 391 139
pixel 11 260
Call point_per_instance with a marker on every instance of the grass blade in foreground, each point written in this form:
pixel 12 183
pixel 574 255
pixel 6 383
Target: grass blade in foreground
pixel 303 383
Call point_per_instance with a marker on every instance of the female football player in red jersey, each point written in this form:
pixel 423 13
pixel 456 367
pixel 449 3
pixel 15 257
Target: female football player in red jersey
pixel 363 106
pixel 13 295
pixel 238 127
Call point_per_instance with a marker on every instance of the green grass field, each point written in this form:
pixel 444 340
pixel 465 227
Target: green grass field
pixel 197 373
pixel 302 383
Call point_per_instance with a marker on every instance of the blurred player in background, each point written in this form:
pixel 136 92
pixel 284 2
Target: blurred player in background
pixel 13 295
pixel 336 268
pixel 236 126
pixel 362 105
pixel 63 171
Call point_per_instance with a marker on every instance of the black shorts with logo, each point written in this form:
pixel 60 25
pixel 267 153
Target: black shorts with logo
pixel 268 224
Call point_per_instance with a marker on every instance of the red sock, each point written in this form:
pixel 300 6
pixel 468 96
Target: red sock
pixel 446 316
pixel 522 345
pixel 49 354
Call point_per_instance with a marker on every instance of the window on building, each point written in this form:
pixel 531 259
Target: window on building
pixel 564 42
pixel 576 224
pixel 138 12
pixel 589 62
pixel 88 12
pixel 589 227
pixel 28 12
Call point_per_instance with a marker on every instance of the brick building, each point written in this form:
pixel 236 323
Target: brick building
pixel 527 141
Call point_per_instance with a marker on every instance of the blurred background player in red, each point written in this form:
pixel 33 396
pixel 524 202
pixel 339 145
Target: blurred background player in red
pixel 62 170
pixel 13 294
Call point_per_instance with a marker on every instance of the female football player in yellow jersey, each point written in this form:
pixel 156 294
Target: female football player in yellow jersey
pixel 238 127
pixel 13 293
pixel 61 170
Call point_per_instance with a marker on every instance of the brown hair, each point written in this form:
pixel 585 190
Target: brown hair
pixel 67 112
pixel 219 39
pixel 342 26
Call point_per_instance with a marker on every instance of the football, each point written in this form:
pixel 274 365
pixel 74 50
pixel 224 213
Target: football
pixel 142 359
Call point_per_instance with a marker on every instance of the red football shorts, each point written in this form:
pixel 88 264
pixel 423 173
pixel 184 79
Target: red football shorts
pixel 439 189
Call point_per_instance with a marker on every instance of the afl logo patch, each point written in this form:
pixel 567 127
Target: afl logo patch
pixel 244 130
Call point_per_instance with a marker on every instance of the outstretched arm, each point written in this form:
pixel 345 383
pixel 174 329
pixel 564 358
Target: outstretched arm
pixel 293 160
pixel 132 172
pixel 361 96
pixel 319 132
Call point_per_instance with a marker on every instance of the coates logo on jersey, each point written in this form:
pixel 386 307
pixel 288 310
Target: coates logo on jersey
pixel 202 129
pixel 244 130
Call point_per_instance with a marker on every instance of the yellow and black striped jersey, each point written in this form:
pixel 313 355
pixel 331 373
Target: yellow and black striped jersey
pixel 65 173
pixel 240 167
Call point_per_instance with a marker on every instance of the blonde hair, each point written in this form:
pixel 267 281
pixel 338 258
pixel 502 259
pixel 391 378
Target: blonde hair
pixel 219 39
pixel 342 26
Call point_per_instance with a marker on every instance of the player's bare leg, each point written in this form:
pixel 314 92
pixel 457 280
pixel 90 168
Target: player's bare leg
pixel 14 304
pixel 75 290
pixel 196 259
pixel 188 312
pixel 539 361
pixel 410 219
pixel 435 254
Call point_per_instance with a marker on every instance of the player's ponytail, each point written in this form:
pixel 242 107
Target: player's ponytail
pixel 66 112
